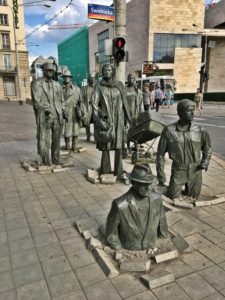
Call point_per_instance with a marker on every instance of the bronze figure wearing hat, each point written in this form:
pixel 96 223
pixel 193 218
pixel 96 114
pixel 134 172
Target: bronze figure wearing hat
pixel 75 110
pixel 48 104
pixel 189 147
pixel 137 218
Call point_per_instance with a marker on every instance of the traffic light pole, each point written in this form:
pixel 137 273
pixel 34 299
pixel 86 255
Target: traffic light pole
pixel 120 30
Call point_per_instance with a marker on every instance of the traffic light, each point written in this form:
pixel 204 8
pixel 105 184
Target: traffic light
pixel 119 48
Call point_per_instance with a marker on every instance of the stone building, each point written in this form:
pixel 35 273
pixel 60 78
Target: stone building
pixel 160 31
pixel 13 62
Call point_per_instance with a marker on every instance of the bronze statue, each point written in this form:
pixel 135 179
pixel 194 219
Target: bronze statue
pixel 189 147
pixel 135 103
pixel 87 97
pixel 75 110
pixel 137 218
pixel 48 104
pixel 110 113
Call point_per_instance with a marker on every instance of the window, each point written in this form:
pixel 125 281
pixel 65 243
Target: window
pixel 4 19
pixel 165 44
pixel 101 57
pixel 3 2
pixel 7 61
pixel 9 86
pixel 5 41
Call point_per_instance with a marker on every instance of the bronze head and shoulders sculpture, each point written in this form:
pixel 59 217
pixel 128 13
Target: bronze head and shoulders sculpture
pixel 137 218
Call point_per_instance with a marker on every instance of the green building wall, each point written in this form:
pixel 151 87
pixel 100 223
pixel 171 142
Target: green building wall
pixel 73 52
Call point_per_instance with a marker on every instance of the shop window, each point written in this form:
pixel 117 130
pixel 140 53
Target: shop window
pixel 9 86
pixel 4 19
pixel 165 44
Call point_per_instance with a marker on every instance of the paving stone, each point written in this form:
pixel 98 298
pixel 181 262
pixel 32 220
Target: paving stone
pixel 214 236
pixel 73 245
pixel 171 291
pixel 214 296
pixel 108 179
pixel 67 233
pixel 8 295
pixel 94 243
pixel 80 259
pixel 6 281
pixel 24 258
pixel 90 275
pixel 123 281
pixel 62 284
pixel 214 221
pixel 215 276
pixel 3 237
pixel 135 266
pixel 92 176
pixel 20 245
pixel 157 279
pixel 44 239
pixel 28 274
pixel 169 207
pixel 196 261
pixel 55 266
pixel 38 228
pixel 105 263
pixel 214 210
pixel 4 249
pixel 147 295
pixel 16 223
pixel 180 243
pixel 172 218
pixel 59 224
pixel 215 253
pixel 102 291
pixel 34 291
pixel 49 251
pixel 166 256
pixel 184 227
pixel 5 264
pixel 183 204
pixel 195 286
pixel 118 255
pixel 86 234
pixel 197 241
pixel 17 234
pixel 78 295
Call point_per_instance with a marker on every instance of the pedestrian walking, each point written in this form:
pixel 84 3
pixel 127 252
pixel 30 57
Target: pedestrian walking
pixel 146 98
pixel 158 97
pixel 198 101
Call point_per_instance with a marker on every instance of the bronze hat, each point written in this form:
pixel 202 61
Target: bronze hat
pixel 48 66
pixel 142 173
pixel 67 73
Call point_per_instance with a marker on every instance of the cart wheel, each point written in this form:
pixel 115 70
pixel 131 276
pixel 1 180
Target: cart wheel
pixel 134 157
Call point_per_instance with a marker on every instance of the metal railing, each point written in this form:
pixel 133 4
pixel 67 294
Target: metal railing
pixel 7 69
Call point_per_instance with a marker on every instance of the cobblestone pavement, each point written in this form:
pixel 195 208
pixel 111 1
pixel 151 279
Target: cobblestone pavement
pixel 42 256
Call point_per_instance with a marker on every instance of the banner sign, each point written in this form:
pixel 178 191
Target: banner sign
pixel 101 12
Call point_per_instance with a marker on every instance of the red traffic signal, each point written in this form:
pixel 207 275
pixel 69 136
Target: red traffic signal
pixel 118 47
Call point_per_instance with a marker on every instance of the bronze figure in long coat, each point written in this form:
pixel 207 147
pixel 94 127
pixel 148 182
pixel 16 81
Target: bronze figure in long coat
pixel 110 113
pixel 48 104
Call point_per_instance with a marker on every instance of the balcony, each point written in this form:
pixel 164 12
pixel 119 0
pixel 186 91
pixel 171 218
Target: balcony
pixel 7 70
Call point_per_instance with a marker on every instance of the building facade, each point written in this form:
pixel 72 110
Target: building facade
pixel 73 53
pixel 162 32
pixel 14 64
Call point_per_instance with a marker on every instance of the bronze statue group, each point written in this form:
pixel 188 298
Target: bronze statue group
pixel 136 218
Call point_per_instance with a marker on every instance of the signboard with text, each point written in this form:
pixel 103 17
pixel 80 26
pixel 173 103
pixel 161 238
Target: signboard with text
pixel 101 12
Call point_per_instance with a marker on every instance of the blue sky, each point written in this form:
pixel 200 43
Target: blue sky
pixel 44 41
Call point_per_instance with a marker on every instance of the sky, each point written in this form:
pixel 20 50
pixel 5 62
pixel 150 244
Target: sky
pixel 43 41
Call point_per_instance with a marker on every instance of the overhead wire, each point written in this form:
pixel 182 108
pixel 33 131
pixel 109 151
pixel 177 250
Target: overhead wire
pixel 45 23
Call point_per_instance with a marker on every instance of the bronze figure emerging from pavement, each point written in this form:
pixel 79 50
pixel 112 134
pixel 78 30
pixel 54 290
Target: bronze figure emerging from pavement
pixel 110 113
pixel 137 218
pixel 75 110
pixel 48 106
pixel 189 148
pixel 87 97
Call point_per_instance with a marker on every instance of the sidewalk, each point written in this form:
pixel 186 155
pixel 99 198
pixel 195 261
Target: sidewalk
pixel 42 255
